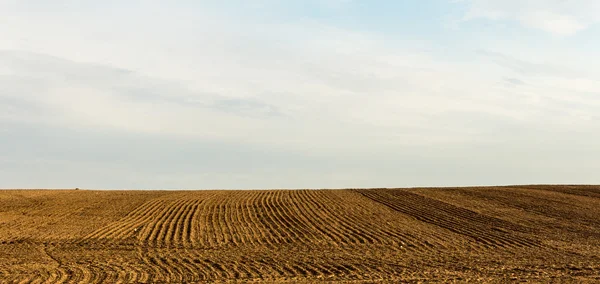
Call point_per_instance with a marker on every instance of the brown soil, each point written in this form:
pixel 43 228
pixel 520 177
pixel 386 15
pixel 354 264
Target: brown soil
pixel 487 234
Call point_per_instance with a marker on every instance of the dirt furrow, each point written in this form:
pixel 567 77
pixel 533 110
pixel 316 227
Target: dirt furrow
pixel 194 237
pixel 167 224
pixel 186 235
pixel 235 228
pixel 267 217
pixel 455 219
pixel 307 232
pixel 359 226
pixel 321 222
pixel 127 224
pixel 285 221
pixel 349 231
pixel 249 234
pixel 579 190
pixel 149 234
pixel 220 226
pixel 315 234
pixel 261 221
pixel 256 229
pixel 246 234
pixel 177 223
pixel 279 221
pixel 225 225
pixel 135 220
pixel 206 237
pixel 521 233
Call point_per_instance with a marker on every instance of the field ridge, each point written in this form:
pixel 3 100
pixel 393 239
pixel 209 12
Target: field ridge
pixel 493 234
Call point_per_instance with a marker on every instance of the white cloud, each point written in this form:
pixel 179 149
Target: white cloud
pixel 348 99
pixel 557 17
pixel 327 82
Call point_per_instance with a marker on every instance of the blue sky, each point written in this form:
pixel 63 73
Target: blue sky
pixel 298 94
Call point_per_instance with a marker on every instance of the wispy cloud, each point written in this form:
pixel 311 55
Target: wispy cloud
pixel 557 17
pixel 526 67
pixel 199 94
pixel 514 81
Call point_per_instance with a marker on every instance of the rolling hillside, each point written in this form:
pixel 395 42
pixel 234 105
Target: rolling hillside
pixel 485 234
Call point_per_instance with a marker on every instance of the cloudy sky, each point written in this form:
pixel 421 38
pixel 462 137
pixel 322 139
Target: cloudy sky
pixel 298 94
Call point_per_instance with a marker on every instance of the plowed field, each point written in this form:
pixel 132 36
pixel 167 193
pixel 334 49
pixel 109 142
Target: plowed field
pixel 486 234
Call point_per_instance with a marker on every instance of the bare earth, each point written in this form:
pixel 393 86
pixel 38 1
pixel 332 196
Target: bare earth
pixel 488 234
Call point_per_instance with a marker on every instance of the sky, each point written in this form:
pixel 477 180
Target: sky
pixel 241 94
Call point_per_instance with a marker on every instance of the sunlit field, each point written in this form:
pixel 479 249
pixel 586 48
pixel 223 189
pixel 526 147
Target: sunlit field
pixel 444 234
